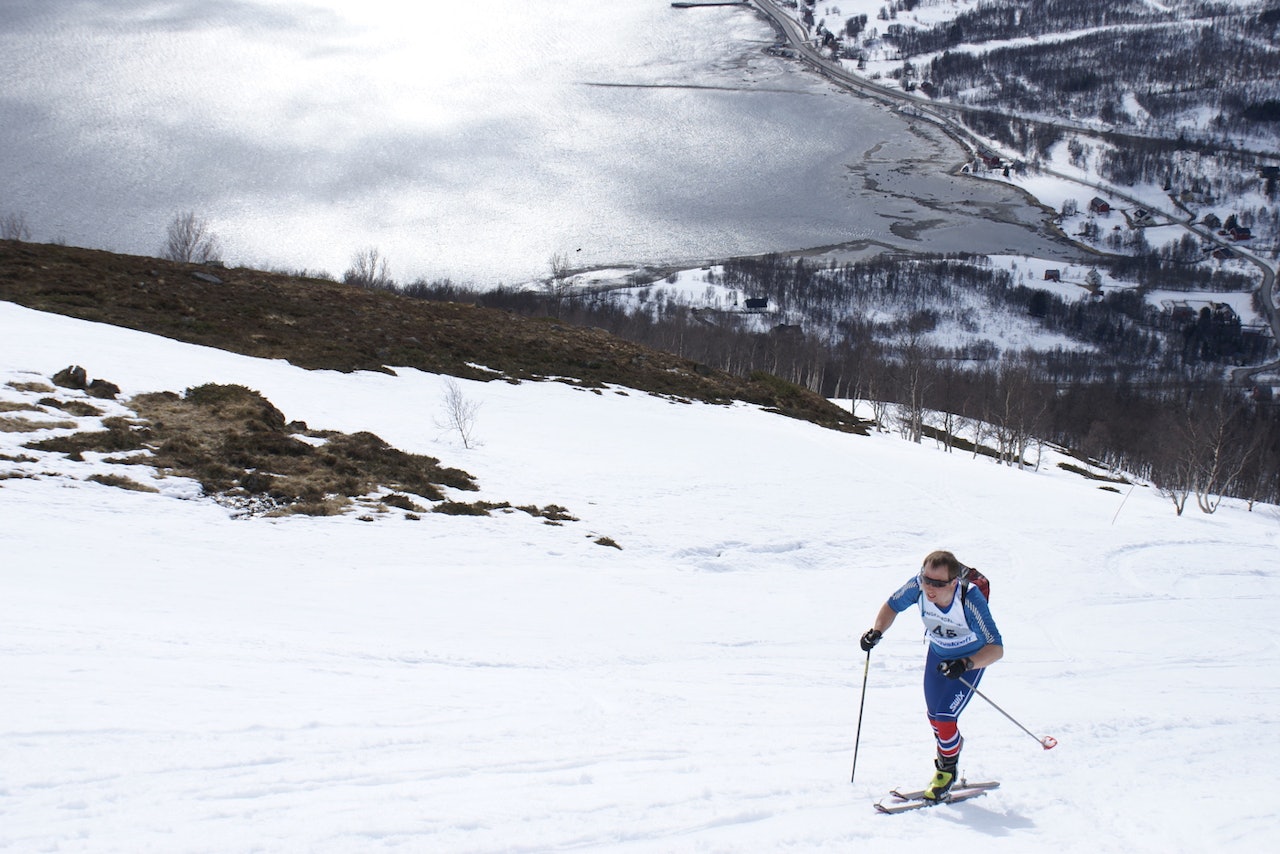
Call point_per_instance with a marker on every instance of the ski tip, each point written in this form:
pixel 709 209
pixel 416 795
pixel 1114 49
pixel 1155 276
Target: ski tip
pixel 1049 742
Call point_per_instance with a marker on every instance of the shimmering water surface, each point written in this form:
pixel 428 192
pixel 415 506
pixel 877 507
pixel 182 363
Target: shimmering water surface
pixel 460 141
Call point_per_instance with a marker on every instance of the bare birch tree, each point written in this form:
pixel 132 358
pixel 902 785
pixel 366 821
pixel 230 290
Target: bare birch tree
pixel 1223 449
pixel 1206 451
pixel 14 227
pixel 190 241
pixel 459 413
pixel 369 269
pixel 559 283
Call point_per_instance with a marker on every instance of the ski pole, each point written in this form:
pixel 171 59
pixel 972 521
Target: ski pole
pixel 1048 742
pixel 857 739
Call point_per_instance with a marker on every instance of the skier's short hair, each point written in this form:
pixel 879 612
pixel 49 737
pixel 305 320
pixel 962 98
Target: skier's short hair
pixel 945 559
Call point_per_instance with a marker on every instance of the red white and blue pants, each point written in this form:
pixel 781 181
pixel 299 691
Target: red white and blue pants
pixel 945 699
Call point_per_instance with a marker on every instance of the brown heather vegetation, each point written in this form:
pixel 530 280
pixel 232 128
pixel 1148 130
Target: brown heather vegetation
pixel 240 448
pixel 316 323
pixel 237 444
pixel 121 482
pixel 19 424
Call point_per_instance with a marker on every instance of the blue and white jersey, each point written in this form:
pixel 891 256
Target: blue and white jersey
pixel 960 630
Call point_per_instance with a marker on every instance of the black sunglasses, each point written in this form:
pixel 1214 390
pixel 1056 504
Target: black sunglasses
pixel 935 582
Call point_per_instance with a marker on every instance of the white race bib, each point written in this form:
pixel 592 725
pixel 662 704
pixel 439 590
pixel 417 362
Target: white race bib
pixel 946 629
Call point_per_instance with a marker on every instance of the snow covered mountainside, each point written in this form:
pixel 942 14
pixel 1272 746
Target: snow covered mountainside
pixel 180 680
pixel 1117 115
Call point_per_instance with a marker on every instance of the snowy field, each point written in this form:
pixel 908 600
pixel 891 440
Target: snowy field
pixel 177 680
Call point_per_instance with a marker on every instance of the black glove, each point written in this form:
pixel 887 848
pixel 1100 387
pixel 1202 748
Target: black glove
pixel 956 667
pixel 870 639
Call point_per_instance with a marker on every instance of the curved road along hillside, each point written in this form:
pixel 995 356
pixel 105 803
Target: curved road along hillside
pixel 797 38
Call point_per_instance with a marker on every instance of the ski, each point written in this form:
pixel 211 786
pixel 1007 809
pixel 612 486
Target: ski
pixel 908 801
pixel 919 804
pixel 963 784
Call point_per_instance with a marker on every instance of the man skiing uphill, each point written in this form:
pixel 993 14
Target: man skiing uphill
pixel 963 640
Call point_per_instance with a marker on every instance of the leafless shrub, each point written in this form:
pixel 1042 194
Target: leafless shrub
pixel 369 269
pixel 190 241
pixel 14 227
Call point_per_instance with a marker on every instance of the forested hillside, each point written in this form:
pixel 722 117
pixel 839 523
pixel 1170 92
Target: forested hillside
pixel 1181 95
pixel 1129 64
pixel 1150 128
pixel 1125 385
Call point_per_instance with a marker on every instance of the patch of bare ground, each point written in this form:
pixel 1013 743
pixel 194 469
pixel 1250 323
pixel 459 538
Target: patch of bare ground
pixel 246 456
pixel 316 323
pixel 240 449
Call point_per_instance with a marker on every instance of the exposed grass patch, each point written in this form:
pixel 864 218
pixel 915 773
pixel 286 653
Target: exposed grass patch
pixel 608 541
pixel 240 449
pixel 15 406
pixel 234 441
pixel 35 387
pixel 402 502
pixel 330 506
pixel 121 482
pixel 247 457
pixel 552 513
pixel 19 424
pixel 72 407
pixel 120 435
pixel 133 458
pixel 460 508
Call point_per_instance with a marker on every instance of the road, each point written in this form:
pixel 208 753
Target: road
pixel 941 114
pixel 797 36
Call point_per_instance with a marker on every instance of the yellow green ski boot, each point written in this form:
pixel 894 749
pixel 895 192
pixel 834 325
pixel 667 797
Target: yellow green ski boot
pixel 940 786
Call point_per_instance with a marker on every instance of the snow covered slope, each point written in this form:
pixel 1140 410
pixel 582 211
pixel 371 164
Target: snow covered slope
pixel 178 680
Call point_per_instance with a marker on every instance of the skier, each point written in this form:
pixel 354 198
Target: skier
pixel 963 641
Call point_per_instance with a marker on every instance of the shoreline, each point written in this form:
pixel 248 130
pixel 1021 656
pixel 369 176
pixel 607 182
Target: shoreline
pixel 1055 244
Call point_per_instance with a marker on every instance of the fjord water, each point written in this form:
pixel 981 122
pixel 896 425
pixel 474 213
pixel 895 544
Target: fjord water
pixel 463 142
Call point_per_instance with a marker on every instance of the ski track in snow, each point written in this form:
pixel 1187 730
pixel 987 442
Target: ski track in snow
pixel 178 680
